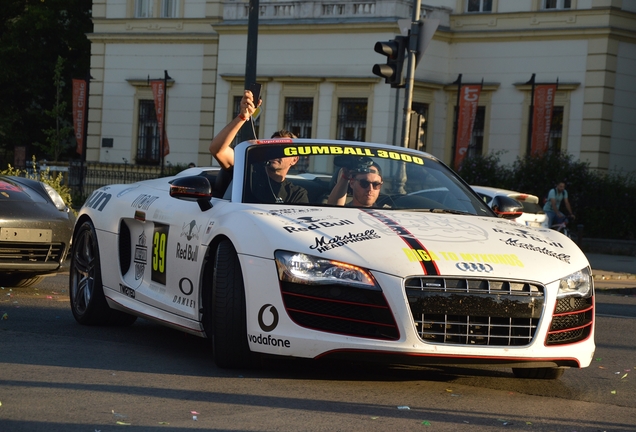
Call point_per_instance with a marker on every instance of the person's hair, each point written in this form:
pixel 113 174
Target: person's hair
pixel 283 134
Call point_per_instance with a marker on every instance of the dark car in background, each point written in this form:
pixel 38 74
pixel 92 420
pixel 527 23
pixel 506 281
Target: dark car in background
pixel 35 231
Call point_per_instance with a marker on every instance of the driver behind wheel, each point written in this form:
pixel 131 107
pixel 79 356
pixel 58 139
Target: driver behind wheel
pixel 365 181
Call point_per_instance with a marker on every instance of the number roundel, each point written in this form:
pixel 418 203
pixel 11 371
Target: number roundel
pixel 159 253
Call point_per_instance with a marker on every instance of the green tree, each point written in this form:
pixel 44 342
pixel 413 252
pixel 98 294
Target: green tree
pixel 57 137
pixel 33 34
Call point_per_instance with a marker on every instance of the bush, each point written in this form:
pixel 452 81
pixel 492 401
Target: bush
pixel 603 202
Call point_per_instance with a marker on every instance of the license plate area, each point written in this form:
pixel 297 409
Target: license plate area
pixel 26 235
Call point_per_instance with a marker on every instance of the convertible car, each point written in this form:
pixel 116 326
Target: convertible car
pixel 432 278
pixel 35 231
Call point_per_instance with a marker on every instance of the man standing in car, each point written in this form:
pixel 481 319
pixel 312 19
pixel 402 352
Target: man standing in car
pixel 269 188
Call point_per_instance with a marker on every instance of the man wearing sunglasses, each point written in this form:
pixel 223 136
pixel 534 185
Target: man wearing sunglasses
pixel 365 183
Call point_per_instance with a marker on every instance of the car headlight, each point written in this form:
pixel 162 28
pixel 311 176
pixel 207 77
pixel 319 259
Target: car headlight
pixel 577 284
pixel 57 199
pixel 307 269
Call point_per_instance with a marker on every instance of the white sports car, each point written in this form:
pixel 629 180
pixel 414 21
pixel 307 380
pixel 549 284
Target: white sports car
pixel 417 279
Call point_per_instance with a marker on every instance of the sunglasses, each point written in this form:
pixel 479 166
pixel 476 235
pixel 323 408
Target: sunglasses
pixel 366 183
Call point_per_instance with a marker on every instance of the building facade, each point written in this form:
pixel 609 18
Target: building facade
pixel 314 60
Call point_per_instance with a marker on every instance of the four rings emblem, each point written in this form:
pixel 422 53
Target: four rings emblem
pixel 474 267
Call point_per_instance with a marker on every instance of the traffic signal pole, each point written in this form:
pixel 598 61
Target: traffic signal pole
pixel 416 26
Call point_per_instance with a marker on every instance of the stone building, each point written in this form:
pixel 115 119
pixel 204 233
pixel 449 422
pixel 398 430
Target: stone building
pixel 315 59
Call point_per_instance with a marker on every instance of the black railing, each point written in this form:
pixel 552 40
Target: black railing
pixel 83 180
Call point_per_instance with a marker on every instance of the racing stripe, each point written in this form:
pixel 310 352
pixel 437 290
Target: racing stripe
pixel 429 267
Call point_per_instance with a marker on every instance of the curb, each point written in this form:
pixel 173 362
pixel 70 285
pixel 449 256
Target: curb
pixel 601 276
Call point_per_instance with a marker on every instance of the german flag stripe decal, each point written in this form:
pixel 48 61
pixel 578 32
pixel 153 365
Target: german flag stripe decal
pixel 429 267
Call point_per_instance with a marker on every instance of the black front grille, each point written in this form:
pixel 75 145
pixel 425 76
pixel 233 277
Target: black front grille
pixel 20 253
pixel 340 309
pixel 475 311
pixel 572 320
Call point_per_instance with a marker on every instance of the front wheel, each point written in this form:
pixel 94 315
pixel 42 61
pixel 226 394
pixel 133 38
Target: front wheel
pixel 88 302
pixel 538 373
pixel 229 322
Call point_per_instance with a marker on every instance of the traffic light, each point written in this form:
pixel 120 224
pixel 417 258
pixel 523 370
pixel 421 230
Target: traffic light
pixel 395 52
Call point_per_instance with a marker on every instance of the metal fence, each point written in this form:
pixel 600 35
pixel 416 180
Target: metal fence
pixel 83 180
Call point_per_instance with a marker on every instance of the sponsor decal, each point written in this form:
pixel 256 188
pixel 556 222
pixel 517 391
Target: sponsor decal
pixel 269 340
pixel 527 234
pixel 316 225
pixel 186 287
pixel 159 253
pixel 190 230
pixel 430 256
pixel 144 201
pixel 209 228
pixel 140 216
pixel 184 301
pixel 141 256
pixel 474 267
pixel 424 227
pixel 301 150
pixel 274 318
pixel 287 212
pixel 161 290
pixel 98 200
pixel 127 291
pixel 429 265
pixel 125 191
pixel 268 322
pixel 187 252
pixel 541 249
pixel 323 245
pixel 160 215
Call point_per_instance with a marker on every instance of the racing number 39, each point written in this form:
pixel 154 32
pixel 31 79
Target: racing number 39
pixel 159 253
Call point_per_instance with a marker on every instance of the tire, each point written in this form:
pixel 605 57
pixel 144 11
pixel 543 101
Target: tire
pixel 229 322
pixel 538 373
pixel 88 302
pixel 16 281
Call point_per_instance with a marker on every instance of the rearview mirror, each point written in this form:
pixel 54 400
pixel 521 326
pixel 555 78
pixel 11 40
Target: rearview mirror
pixel 506 207
pixel 192 188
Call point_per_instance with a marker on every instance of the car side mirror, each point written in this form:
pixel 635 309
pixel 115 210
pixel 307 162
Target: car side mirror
pixel 192 188
pixel 506 207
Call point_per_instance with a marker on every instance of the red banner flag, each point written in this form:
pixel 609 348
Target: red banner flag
pixel 468 103
pixel 79 112
pixel 542 117
pixel 159 93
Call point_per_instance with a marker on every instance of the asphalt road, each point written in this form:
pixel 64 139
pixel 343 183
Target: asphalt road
pixel 56 375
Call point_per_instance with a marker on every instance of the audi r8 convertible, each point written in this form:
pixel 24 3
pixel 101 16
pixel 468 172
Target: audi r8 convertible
pixel 35 231
pixel 264 267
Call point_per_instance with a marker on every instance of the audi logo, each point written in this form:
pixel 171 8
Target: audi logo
pixel 474 267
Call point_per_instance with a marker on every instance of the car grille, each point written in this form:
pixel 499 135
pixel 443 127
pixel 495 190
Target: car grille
pixel 11 252
pixel 475 311
pixel 572 320
pixel 340 309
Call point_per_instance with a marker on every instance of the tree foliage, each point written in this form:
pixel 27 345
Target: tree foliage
pixel 604 203
pixel 33 34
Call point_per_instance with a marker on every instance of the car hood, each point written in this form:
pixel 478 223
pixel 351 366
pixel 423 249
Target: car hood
pixel 404 243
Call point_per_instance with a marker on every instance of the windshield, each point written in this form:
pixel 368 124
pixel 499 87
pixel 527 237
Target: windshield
pixel 354 176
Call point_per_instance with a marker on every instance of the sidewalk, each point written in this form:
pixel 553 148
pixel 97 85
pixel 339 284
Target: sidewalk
pixel 613 271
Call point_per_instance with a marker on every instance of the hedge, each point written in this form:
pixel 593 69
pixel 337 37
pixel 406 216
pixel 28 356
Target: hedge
pixel 604 202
